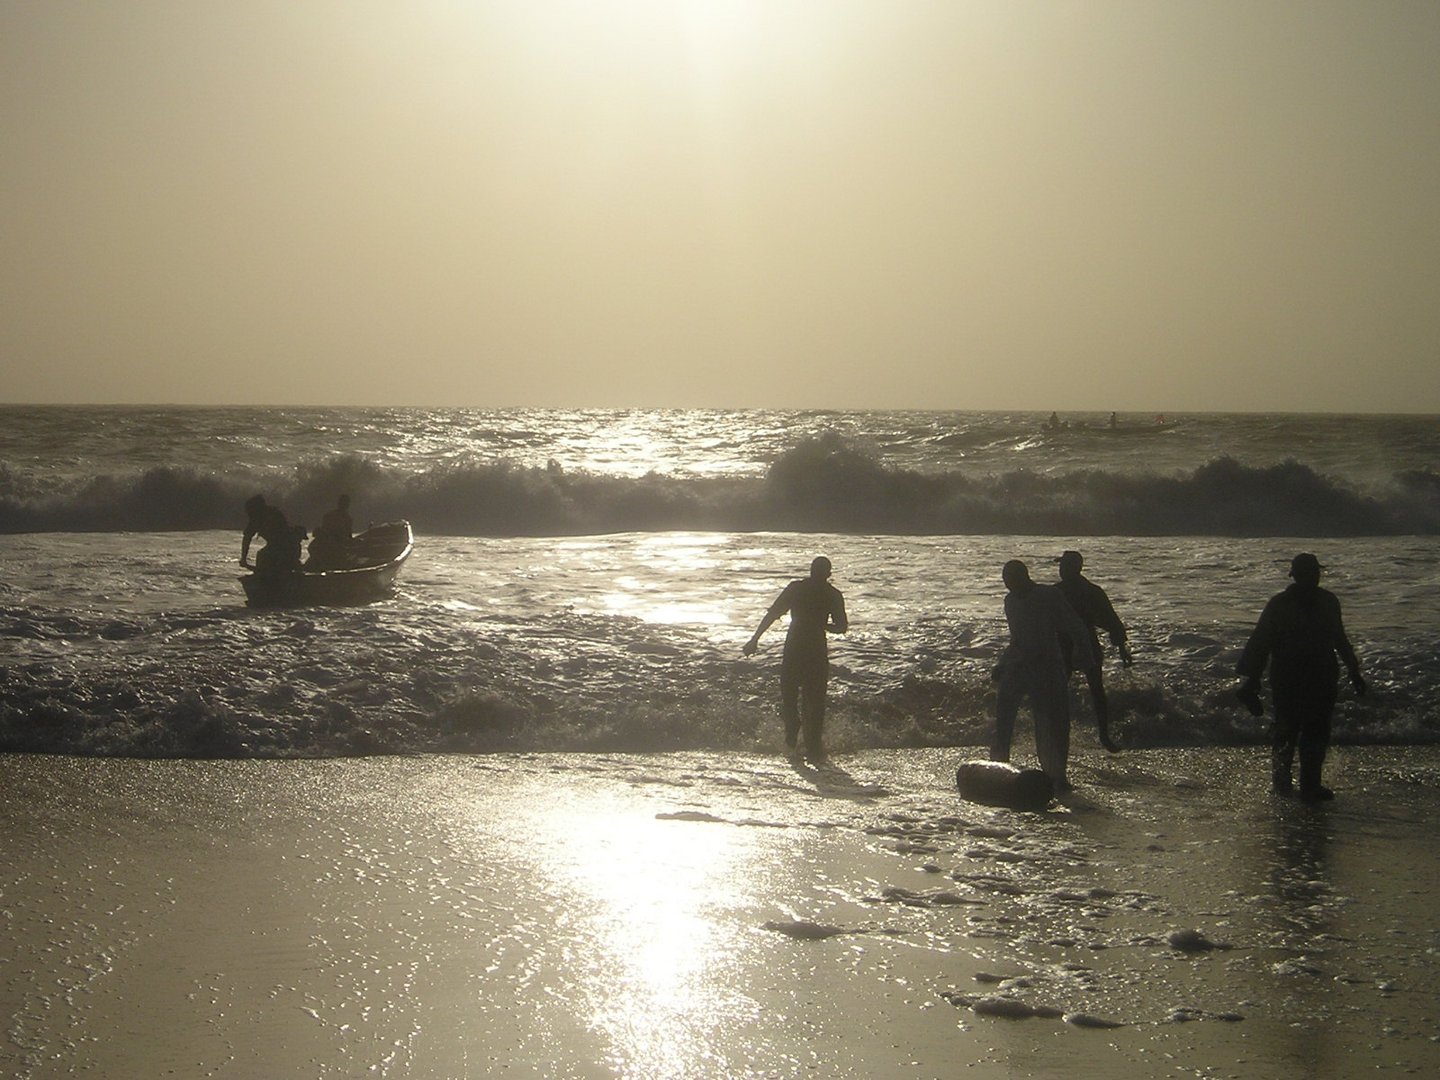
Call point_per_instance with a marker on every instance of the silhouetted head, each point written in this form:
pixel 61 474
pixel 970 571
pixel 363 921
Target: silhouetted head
pixel 820 568
pixel 1070 564
pixel 1016 576
pixel 254 505
pixel 1305 569
pixel 344 502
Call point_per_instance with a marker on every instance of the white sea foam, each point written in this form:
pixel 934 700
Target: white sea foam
pixel 574 637
pixel 139 644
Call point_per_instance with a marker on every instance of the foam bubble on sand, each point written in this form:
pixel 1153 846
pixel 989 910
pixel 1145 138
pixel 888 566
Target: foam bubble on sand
pixel 991 883
pixel 1296 966
pixel 804 930
pixel 895 894
pixel 707 817
pixel 688 815
pixel 1187 1014
pixel 991 832
pixel 991 978
pixel 1086 1020
pixel 1192 941
pixel 1006 1008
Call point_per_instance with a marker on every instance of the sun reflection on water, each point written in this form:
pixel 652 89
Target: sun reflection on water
pixel 655 895
pixel 672 559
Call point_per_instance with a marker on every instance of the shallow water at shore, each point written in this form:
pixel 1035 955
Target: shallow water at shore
pixel 701 914
pixel 140 645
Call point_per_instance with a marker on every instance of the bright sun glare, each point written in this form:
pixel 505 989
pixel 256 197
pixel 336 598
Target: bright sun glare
pixel 650 888
pixel 683 557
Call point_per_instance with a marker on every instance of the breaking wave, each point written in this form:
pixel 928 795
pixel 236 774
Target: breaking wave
pixel 824 484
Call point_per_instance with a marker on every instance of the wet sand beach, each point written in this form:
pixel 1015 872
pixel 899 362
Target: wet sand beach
pixel 702 914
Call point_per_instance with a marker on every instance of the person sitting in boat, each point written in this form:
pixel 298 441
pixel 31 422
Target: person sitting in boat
pixel 281 553
pixel 333 545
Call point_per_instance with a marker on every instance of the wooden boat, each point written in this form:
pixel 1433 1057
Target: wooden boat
pixel 377 555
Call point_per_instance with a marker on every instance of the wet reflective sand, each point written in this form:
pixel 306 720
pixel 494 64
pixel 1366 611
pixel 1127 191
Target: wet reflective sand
pixel 698 915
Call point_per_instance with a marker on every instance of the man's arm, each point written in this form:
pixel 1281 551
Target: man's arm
pixel 778 608
pixel 1106 618
pixel 1257 650
pixel 1254 657
pixel 839 621
pixel 1116 629
pixel 1347 653
pixel 245 545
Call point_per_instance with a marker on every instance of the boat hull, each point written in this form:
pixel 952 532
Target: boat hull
pixel 382 551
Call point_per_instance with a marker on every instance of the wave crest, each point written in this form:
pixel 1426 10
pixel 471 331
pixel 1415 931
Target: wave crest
pixel 825 484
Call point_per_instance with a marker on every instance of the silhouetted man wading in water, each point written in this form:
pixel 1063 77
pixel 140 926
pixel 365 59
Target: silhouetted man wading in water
pixel 1033 666
pixel 1299 633
pixel 816 608
pixel 1090 602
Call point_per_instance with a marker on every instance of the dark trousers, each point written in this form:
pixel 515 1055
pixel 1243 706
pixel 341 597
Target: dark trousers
pixel 1302 723
pixel 1096 681
pixel 1049 695
pixel 802 700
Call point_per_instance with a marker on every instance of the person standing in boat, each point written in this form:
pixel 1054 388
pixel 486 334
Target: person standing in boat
pixel 281 553
pixel 1091 603
pixel 816 609
pixel 333 541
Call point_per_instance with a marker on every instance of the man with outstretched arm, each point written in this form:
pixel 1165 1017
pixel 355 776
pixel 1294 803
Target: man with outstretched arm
pixel 1091 603
pixel 816 609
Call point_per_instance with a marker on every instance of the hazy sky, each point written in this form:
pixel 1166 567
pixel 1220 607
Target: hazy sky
pixel 1148 205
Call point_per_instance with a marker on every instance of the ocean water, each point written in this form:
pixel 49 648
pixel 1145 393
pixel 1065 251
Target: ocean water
pixel 584 580
pixel 460 472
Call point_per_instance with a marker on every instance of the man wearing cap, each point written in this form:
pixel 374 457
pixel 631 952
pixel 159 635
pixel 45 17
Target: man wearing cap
pixel 816 608
pixel 1033 666
pixel 1300 632
pixel 1090 602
